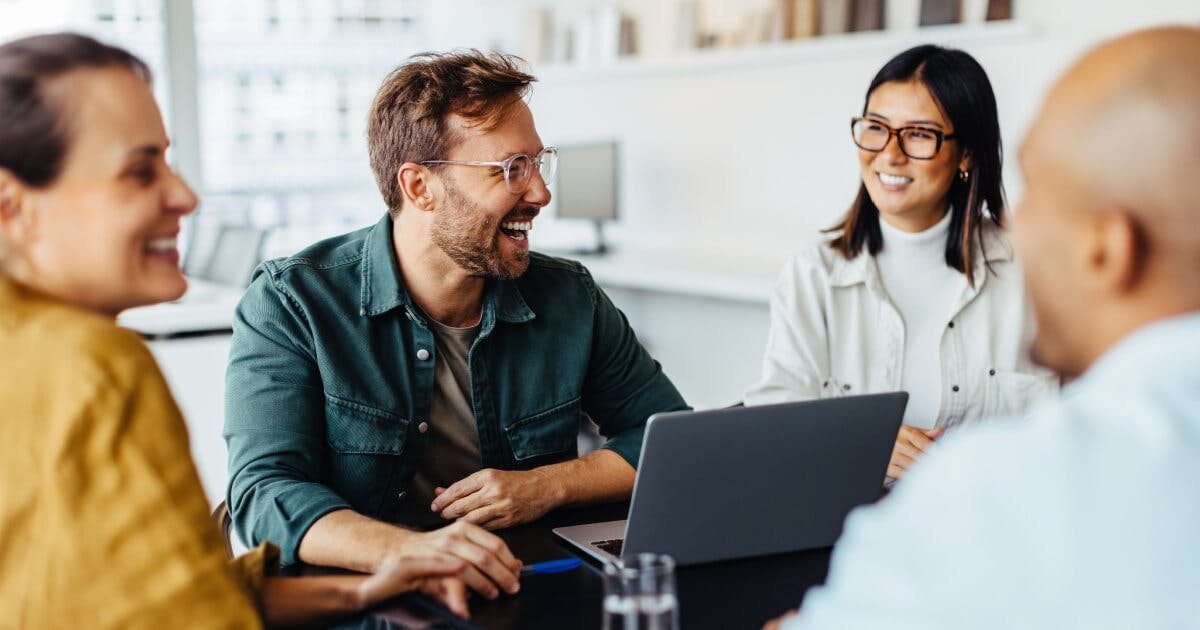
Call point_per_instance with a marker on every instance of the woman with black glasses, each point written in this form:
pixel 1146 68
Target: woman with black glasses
pixel 916 288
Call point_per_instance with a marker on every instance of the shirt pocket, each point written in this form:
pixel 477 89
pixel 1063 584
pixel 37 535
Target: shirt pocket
pixel 549 435
pixel 366 447
pixel 1015 393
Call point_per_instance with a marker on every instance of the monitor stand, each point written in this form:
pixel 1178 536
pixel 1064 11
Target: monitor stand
pixel 600 248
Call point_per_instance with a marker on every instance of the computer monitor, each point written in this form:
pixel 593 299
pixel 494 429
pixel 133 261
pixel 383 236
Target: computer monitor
pixel 586 186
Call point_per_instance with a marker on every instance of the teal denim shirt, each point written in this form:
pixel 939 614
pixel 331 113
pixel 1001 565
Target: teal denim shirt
pixel 331 375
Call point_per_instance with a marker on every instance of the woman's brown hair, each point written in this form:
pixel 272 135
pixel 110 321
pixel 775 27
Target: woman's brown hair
pixel 34 133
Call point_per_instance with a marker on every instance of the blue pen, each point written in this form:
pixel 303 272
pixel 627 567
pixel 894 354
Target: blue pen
pixel 551 566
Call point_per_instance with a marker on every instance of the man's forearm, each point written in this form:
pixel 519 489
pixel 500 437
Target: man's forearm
pixel 347 539
pixel 597 477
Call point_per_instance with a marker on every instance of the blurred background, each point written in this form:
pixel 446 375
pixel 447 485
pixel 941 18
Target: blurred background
pixel 711 139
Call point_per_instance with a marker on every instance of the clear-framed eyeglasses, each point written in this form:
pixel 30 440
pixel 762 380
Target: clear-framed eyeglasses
pixel 917 142
pixel 518 169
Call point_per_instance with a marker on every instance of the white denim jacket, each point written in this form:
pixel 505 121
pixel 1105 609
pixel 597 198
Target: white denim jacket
pixel 835 332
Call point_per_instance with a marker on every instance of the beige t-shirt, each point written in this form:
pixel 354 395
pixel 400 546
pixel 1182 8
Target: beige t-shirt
pixel 453 451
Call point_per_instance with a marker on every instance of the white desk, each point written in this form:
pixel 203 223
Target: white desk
pixel 205 308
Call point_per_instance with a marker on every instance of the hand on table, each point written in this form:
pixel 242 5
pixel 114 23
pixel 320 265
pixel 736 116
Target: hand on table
pixel 494 498
pixel 489 566
pixel 437 575
pixel 911 443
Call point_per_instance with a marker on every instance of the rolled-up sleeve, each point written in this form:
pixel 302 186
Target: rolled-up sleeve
pixel 275 421
pixel 624 384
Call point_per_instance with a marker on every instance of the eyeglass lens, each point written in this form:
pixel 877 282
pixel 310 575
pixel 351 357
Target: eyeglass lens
pixel 915 142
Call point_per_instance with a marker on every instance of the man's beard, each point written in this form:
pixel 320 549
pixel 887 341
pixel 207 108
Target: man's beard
pixel 465 232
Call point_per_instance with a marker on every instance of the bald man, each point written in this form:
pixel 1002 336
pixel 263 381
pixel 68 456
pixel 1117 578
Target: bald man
pixel 1088 516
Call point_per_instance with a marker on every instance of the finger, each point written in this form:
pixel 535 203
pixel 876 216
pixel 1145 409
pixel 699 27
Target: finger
pixel 895 472
pixel 900 460
pixel 906 449
pixel 465 505
pixel 437 492
pixel 452 593
pixel 474 578
pixel 917 438
pixel 495 545
pixel 406 573
pixel 487 517
pixel 936 433
pixel 458 490
pixel 488 563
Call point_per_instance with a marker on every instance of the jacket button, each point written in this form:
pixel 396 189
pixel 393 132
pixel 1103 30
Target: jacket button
pixel 401 495
pixel 423 427
pixel 422 354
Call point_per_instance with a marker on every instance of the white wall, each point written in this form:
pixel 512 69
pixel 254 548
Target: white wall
pixel 756 154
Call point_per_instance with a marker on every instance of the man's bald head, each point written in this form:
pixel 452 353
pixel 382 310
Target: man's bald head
pixel 1110 226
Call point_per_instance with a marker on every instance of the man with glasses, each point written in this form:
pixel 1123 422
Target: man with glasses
pixel 431 368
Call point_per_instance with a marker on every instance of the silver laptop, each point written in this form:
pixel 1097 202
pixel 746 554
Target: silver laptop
pixel 750 481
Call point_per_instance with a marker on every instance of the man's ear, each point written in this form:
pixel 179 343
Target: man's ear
pixel 1118 250
pixel 418 186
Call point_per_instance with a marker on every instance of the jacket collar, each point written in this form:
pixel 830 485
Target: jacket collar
pixel 383 287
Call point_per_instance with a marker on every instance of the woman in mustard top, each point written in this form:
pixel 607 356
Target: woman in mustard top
pixel 103 521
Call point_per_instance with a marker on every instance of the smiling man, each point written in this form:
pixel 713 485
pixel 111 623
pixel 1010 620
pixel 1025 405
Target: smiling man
pixel 431 367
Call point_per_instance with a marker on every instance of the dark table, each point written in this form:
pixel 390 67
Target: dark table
pixel 725 595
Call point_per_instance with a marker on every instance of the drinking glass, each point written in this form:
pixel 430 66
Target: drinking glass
pixel 639 594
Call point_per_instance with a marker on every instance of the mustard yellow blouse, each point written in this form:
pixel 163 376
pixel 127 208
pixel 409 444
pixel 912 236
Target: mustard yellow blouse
pixel 103 522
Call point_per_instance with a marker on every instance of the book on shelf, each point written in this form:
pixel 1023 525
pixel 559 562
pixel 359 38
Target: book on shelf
pixel 939 12
pixel 805 18
pixel 999 10
pixel 835 16
pixel 866 15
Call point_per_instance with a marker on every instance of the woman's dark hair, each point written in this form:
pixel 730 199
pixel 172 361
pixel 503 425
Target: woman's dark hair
pixel 961 87
pixel 33 133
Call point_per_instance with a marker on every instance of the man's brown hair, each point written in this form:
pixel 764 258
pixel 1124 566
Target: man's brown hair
pixel 408 118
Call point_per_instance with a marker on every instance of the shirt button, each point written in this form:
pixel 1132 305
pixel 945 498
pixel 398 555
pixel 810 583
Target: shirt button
pixel 422 354
pixel 955 388
pixel 423 427
pixel 845 388
pixel 991 372
pixel 952 324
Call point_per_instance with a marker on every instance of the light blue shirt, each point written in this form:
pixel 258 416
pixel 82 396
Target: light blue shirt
pixel 1088 516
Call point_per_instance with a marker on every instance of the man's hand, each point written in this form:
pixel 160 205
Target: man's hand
pixel 436 575
pixel 911 443
pixel 496 498
pixel 489 563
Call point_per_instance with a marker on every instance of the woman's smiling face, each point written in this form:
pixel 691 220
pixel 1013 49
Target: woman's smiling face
pixel 103 234
pixel 911 194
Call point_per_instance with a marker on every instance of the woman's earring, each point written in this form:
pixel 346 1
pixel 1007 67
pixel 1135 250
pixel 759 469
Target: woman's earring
pixel 963 175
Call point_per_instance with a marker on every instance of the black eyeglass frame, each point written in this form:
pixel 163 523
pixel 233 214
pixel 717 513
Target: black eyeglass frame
pixel 940 136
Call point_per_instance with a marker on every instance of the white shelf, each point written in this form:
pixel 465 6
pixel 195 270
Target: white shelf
pixel 732 277
pixel 814 49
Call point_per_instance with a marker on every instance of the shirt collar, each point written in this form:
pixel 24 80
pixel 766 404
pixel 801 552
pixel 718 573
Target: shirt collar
pixel 383 287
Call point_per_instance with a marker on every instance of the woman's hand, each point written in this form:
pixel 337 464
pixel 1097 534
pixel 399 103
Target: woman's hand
pixel 434 575
pixel 911 443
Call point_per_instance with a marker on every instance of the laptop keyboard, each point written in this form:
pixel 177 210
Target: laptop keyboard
pixel 610 546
